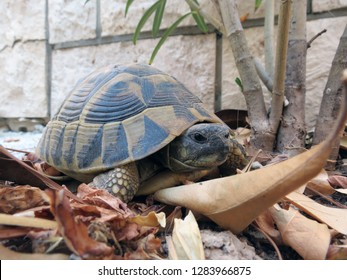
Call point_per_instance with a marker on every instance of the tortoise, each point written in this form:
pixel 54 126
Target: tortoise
pixel 123 124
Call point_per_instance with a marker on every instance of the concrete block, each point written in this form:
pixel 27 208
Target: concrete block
pixel 71 20
pixel 23 92
pixel 327 5
pixel 21 21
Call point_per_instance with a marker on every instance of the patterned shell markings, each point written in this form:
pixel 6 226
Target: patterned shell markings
pixel 116 115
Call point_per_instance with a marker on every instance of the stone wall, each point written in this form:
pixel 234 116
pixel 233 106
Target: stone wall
pixel 47 46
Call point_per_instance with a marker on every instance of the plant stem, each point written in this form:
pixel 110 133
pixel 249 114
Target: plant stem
pixel 280 65
pixel 252 90
pixel 331 100
pixel 292 132
pixel 269 36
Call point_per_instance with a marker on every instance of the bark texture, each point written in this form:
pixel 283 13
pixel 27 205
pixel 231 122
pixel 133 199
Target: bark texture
pixel 332 98
pixel 261 136
pixel 292 132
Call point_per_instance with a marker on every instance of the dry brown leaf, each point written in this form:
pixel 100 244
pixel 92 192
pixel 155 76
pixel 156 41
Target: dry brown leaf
pixel 337 252
pixel 234 202
pixel 344 191
pixel 7 254
pixel 151 220
pixel 338 181
pixel 147 249
pixel 7 232
pixel 307 237
pixel 15 170
pixel 19 198
pixel 321 184
pixel 186 240
pixel 75 233
pixel 333 217
pixel 46 169
pixel 266 223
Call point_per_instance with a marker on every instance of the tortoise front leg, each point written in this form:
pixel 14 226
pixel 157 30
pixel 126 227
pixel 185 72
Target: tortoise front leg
pixel 123 181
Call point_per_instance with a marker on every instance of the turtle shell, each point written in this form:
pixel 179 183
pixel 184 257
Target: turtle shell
pixel 116 115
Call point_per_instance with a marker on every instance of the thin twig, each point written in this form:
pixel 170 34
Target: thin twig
pixel 274 245
pixel 315 37
pixel 327 198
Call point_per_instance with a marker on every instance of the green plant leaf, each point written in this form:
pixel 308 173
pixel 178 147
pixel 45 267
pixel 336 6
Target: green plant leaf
pixel 143 20
pixel 257 4
pixel 166 34
pixel 199 19
pixel 239 83
pixel 129 2
pixel 158 17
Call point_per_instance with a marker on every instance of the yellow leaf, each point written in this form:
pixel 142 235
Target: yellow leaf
pixel 333 217
pixel 186 240
pixel 153 219
pixel 307 237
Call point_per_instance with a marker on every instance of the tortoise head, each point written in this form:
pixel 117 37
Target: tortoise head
pixel 202 146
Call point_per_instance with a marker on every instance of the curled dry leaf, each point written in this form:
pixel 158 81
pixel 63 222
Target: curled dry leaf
pixel 321 184
pixel 146 249
pixel 333 217
pixel 266 223
pixel 234 202
pixel 20 198
pixel 344 191
pixel 338 181
pixel 151 220
pixel 337 252
pixel 102 198
pixel 186 240
pixel 75 233
pixel 15 170
pixel 46 169
pixel 307 237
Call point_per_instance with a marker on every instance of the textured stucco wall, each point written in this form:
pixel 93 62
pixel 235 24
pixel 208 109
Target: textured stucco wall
pixel 47 46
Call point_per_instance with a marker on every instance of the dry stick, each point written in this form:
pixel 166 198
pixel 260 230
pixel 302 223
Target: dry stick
pixel 327 198
pixel 268 237
pixel 280 65
pixel 315 37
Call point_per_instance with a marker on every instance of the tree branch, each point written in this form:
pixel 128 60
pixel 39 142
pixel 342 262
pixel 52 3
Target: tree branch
pixel 292 132
pixel 251 85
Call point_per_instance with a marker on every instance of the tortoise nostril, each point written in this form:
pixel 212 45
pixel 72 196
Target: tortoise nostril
pixel 226 135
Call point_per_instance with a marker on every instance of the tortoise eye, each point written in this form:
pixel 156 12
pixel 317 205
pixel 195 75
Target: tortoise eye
pixel 199 137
